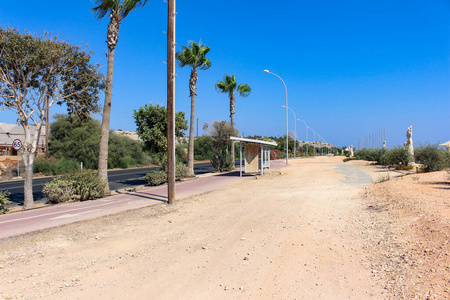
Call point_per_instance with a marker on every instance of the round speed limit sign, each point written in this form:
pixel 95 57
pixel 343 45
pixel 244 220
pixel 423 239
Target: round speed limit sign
pixel 17 144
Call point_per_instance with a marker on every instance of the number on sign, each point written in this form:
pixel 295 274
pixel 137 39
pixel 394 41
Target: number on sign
pixel 17 144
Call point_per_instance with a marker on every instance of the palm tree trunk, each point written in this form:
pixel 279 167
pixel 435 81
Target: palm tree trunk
pixel 191 139
pixel 192 91
pixel 232 111
pixel 104 133
pixel 112 39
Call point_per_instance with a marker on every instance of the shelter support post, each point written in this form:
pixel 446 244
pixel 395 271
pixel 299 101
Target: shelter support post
pixel 240 159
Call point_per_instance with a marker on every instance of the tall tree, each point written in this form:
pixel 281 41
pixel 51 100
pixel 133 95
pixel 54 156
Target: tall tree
pixel 117 11
pixel 194 56
pixel 229 86
pixel 151 123
pixel 35 72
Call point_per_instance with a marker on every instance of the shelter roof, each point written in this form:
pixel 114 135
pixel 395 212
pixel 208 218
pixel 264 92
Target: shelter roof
pixel 239 139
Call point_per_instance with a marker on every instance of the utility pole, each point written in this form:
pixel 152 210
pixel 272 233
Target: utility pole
pixel 171 102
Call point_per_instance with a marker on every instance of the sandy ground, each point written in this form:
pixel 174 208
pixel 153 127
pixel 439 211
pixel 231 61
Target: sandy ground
pixel 317 229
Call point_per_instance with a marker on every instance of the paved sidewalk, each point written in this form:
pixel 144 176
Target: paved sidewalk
pixel 52 216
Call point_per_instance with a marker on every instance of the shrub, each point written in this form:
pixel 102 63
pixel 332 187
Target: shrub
pixel 4 200
pixel 87 186
pixel 156 178
pixel 44 166
pixel 433 158
pixel 397 156
pixel 275 154
pixel 181 171
pixel 59 190
pixel 67 165
pixel 370 154
pixel 160 177
pixel 55 167
pixel 203 148
pixel 78 141
pixel 223 162
pixel 74 187
pixel 181 153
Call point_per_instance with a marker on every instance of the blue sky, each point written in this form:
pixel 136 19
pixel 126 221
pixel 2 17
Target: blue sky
pixel 351 67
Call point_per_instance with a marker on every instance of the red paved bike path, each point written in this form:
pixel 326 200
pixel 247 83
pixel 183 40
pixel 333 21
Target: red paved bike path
pixel 52 216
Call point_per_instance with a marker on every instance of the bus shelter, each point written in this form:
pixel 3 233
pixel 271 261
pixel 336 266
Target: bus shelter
pixel 257 154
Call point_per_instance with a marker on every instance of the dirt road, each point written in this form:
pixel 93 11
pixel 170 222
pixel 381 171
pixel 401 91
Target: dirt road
pixel 298 233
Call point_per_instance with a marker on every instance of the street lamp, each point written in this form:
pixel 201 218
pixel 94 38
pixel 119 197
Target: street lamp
pixel 287 128
pixel 314 140
pixel 295 118
pixel 306 127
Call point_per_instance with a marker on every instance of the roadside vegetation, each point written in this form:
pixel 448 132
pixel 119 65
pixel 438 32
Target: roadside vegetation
pixel 4 200
pixel 430 156
pixel 74 187
pixel 74 141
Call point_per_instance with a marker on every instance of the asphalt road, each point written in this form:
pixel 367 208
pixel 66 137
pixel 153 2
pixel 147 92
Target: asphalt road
pixel 118 179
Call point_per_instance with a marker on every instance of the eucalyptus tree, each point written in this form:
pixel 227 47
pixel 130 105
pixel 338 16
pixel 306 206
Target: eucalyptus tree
pixel 35 73
pixel 229 86
pixel 194 56
pixel 117 10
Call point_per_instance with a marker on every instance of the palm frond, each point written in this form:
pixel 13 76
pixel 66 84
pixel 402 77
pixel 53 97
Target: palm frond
pixel 120 8
pixel 194 56
pixel 244 90
pixel 105 7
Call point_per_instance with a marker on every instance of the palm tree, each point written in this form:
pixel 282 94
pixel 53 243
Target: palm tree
pixel 194 56
pixel 117 11
pixel 229 86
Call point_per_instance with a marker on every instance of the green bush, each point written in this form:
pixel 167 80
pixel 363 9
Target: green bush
pixel 74 187
pixel 203 148
pixel 156 178
pixel 67 165
pixel 181 171
pixel 397 156
pixel 223 162
pixel 78 140
pixel 44 166
pixel 370 154
pixel 55 167
pixel 160 177
pixel 4 200
pixel 87 186
pixel 433 158
pixel 59 190
pixel 181 153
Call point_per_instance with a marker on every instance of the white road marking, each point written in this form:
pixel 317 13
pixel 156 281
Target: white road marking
pixel 73 215
pixel 59 212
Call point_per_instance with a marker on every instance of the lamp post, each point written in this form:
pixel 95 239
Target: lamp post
pixel 295 126
pixel 287 128
pixel 306 127
pixel 314 140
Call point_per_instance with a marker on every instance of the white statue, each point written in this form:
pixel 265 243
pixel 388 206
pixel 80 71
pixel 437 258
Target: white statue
pixel 409 143
pixel 384 144
pixel 351 153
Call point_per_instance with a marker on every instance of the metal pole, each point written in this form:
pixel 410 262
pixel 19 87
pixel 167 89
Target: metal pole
pixel 18 164
pixel 240 159
pixel 295 139
pixel 306 127
pixel 171 102
pixel 287 127
pixel 46 125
